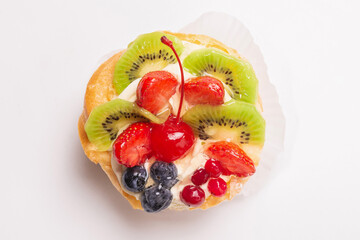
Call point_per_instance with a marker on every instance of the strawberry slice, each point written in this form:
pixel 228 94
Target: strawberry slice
pixel 155 89
pixel 132 147
pixel 204 90
pixel 233 159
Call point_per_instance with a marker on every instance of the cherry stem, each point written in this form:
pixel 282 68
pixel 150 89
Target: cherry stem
pixel 169 43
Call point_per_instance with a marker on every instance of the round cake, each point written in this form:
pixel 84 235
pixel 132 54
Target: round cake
pixel 175 121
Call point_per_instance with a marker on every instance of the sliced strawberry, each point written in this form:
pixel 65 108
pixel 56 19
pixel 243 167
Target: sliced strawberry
pixel 132 147
pixel 232 158
pixel 155 89
pixel 204 90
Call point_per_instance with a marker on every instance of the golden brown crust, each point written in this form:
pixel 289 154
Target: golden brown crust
pixel 205 41
pixel 104 159
pixel 100 90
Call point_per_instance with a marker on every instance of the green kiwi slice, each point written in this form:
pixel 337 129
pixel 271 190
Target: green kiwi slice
pixel 235 120
pixel 238 75
pixel 105 121
pixel 145 54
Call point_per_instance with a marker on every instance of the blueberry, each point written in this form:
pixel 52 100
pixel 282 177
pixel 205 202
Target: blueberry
pixel 134 179
pixel 164 173
pixel 156 198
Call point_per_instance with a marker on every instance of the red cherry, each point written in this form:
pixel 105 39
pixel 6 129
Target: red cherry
pixel 174 138
pixel 192 195
pixel 204 90
pixel 217 187
pixel 155 89
pixel 200 177
pixel 213 167
pixel 171 140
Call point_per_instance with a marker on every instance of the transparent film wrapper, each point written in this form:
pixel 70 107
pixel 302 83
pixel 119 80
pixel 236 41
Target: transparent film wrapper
pixel 233 33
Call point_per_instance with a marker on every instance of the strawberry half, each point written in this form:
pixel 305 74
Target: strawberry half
pixel 204 90
pixel 132 147
pixel 155 89
pixel 233 159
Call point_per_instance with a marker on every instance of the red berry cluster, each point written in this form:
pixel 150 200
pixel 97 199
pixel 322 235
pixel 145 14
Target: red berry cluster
pixel 194 195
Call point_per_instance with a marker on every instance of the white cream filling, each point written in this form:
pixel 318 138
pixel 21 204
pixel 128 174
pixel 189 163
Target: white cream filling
pixel 129 93
pixel 195 159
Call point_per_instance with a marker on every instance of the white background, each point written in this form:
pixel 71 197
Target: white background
pixel 49 190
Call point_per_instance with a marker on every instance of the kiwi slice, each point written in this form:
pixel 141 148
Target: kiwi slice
pixel 105 121
pixel 235 120
pixel 238 75
pixel 147 53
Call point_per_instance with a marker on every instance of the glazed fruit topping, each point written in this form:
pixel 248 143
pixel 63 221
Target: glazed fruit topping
pixel 233 159
pixel 174 138
pixel 213 167
pixel 144 55
pixel 234 120
pixel 132 147
pixel 171 140
pixel 237 74
pixel 217 187
pixel 200 177
pixel 204 90
pixel 156 198
pixel 192 196
pixel 155 89
pixel 164 173
pixel 106 120
pixel 134 179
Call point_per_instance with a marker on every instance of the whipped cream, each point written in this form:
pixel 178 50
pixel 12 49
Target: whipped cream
pixel 195 158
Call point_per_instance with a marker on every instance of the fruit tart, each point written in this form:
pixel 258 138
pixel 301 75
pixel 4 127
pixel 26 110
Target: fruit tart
pixel 175 121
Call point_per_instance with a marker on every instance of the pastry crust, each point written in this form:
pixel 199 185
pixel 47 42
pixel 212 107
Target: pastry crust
pixel 100 90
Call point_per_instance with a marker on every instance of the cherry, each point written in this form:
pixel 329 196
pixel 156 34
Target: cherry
pixel 174 138
pixel 200 177
pixel 192 195
pixel 217 187
pixel 213 167
pixel 171 140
